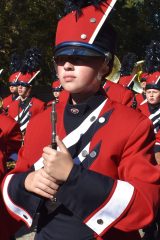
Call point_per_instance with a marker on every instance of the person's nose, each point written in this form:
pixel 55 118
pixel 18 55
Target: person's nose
pixel 68 66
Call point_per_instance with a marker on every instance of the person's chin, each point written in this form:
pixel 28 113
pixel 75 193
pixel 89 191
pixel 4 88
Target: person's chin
pixel 70 87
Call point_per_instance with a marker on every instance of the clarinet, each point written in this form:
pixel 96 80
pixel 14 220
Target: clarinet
pixel 53 121
pixel 51 204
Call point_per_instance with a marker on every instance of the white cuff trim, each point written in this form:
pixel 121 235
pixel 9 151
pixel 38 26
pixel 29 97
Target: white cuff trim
pixel 113 209
pixel 23 215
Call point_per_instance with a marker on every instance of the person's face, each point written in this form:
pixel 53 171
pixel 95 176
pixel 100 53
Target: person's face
pixel 143 84
pixel 153 96
pixel 56 94
pixel 23 91
pixel 13 89
pixel 79 74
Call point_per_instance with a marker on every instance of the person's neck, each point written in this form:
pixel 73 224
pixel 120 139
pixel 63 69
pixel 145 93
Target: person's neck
pixel 78 98
pixel 23 98
pixel 154 107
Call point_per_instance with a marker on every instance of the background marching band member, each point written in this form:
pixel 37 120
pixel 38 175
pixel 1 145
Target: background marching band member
pixel 152 107
pixel 127 75
pixel 102 173
pixel 151 65
pixel 27 106
pixel 10 143
pixel 15 65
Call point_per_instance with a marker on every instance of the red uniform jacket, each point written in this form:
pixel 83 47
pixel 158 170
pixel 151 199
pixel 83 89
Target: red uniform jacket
pixel 157 143
pixel 118 93
pixel 155 118
pixel 115 175
pixel 140 99
pixel 10 142
pixel 23 116
pixel 7 101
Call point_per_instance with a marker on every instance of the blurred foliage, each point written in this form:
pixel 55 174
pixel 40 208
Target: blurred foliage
pixel 32 23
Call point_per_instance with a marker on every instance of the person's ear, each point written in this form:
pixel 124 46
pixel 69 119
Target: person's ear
pixel 104 70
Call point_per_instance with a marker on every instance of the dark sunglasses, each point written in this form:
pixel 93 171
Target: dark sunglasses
pixel 13 84
pixel 75 60
pixel 23 84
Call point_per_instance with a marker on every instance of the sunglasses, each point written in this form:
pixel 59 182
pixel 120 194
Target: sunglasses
pixel 23 84
pixel 13 84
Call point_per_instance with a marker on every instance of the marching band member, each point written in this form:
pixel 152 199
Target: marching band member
pixel 7 101
pixel 27 106
pixel 10 143
pixel 151 65
pixel 15 65
pixel 93 185
pixel 151 108
pixel 127 76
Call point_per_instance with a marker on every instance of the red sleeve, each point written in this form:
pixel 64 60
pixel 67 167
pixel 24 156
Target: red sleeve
pixel 136 168
pixel 13 138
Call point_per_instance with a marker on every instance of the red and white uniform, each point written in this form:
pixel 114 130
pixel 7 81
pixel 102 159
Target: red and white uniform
pixel 113 176
pixel 157 143
pixel 140 99
pixel 152 114
pixel 127 81
pixel 10 142
pixel 32 106
pixel 11 98
pixel 8 101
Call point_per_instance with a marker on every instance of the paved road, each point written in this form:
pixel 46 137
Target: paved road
pixel 24 234
pixel 29 236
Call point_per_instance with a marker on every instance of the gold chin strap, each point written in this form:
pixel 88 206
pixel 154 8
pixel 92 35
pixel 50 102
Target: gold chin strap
pixel 1 102
pixel 115 74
